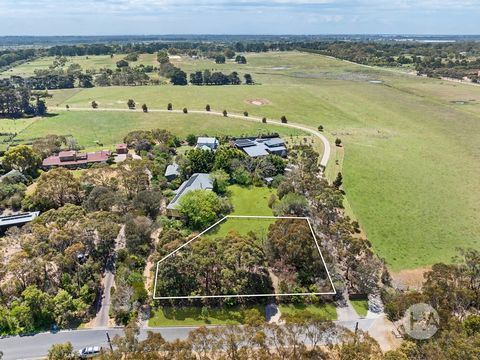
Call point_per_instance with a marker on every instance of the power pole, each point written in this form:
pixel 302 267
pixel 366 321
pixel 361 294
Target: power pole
pixel 109 341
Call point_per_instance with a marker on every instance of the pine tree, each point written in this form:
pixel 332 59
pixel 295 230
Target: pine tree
pixel 338 181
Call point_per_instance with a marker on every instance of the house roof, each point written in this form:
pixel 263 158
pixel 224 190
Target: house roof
pixel 261 147
pixel 199 181
pixel 82 158
pixel 207 140
pixel 277 149
pixel 172 169
pixel 257 150
pixel 67 153
pixel 17 219
pixel 275 142
pixel 243 143
pixel 121 146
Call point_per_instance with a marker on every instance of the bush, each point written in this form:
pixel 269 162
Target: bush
pixel 225 113
pixel 264 120
pixel 131 104
pixel 191 139
pixel 245 113
pixel 283 119
pixel 94 104
pixel 242 177
pixel 207 108
pixel 169 107
pixel 320 128
pixel 185 110
pixel 145 108
pixel 338 142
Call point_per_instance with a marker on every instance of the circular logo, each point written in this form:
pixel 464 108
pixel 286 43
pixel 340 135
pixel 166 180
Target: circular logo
pixel 421 321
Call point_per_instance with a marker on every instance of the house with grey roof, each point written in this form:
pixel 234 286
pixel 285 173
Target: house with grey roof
pixel 199 181
pixel 172 172
pixel 262 147
pixel 16 220
pixel 207 143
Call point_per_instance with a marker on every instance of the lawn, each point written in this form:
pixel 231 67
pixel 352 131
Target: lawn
pixel 104 129
pixel 325 311
pixel 411 160
pixel 251 201
pixel 192 316
pixel 360 306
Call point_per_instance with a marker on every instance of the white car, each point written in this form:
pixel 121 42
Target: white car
pixel 89 351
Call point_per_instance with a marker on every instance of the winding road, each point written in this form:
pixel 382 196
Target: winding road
pixel 326 145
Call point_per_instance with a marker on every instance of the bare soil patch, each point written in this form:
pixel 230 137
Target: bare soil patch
pixel 409 278
pixel 258 102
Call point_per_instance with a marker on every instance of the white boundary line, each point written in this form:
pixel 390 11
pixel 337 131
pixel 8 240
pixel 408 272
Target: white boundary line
pixel 334 292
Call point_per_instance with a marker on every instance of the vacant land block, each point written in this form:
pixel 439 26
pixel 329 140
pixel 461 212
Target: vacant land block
pixel 283 259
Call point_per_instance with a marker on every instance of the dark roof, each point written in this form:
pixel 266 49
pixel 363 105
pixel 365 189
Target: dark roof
pixel 243 143
pixel 275 142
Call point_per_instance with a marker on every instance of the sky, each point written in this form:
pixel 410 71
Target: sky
pixel 156 17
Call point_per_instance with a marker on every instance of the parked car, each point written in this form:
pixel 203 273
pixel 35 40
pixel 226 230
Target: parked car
pixel 89 351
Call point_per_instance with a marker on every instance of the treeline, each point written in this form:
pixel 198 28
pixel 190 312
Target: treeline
pixel 218 78
pixel 17 101
pixel 9 57
pixel 179 77
pixel 457 60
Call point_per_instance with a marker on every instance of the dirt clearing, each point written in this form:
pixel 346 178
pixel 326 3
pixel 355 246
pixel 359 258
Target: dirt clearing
pixel 258 102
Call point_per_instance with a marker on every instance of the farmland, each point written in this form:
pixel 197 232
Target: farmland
pixel 410 157
pixel 98 130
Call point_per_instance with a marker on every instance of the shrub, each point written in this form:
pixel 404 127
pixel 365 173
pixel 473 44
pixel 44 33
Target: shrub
pixel 320 128
pixel 131 104
pixel 191 139
pixel 225 113
pixel 264 120
pixel 338 142
pixel 169 107
pixel 245 113
pixel 207 108
pixel 283 119
pixel 94 104
pixel 145 108
pixel 185 110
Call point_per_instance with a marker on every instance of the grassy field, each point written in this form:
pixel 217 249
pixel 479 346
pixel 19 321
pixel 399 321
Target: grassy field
pixel 247 201
pixel 360 306
pixel 86 62
pixel 192 316
pixel 104 129
pixel 324 311
pixel 411 156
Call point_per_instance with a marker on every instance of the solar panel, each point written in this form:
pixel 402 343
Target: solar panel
pixel 244 143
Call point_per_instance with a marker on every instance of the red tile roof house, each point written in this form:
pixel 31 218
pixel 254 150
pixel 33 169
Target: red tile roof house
pixel 72 159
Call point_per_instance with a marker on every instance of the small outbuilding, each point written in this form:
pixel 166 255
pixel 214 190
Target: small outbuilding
pixel 122 149
pixel 171 173
pixel 207 143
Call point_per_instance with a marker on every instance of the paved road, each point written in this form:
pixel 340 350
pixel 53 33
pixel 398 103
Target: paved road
pixel 326 143
pixel 36 346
